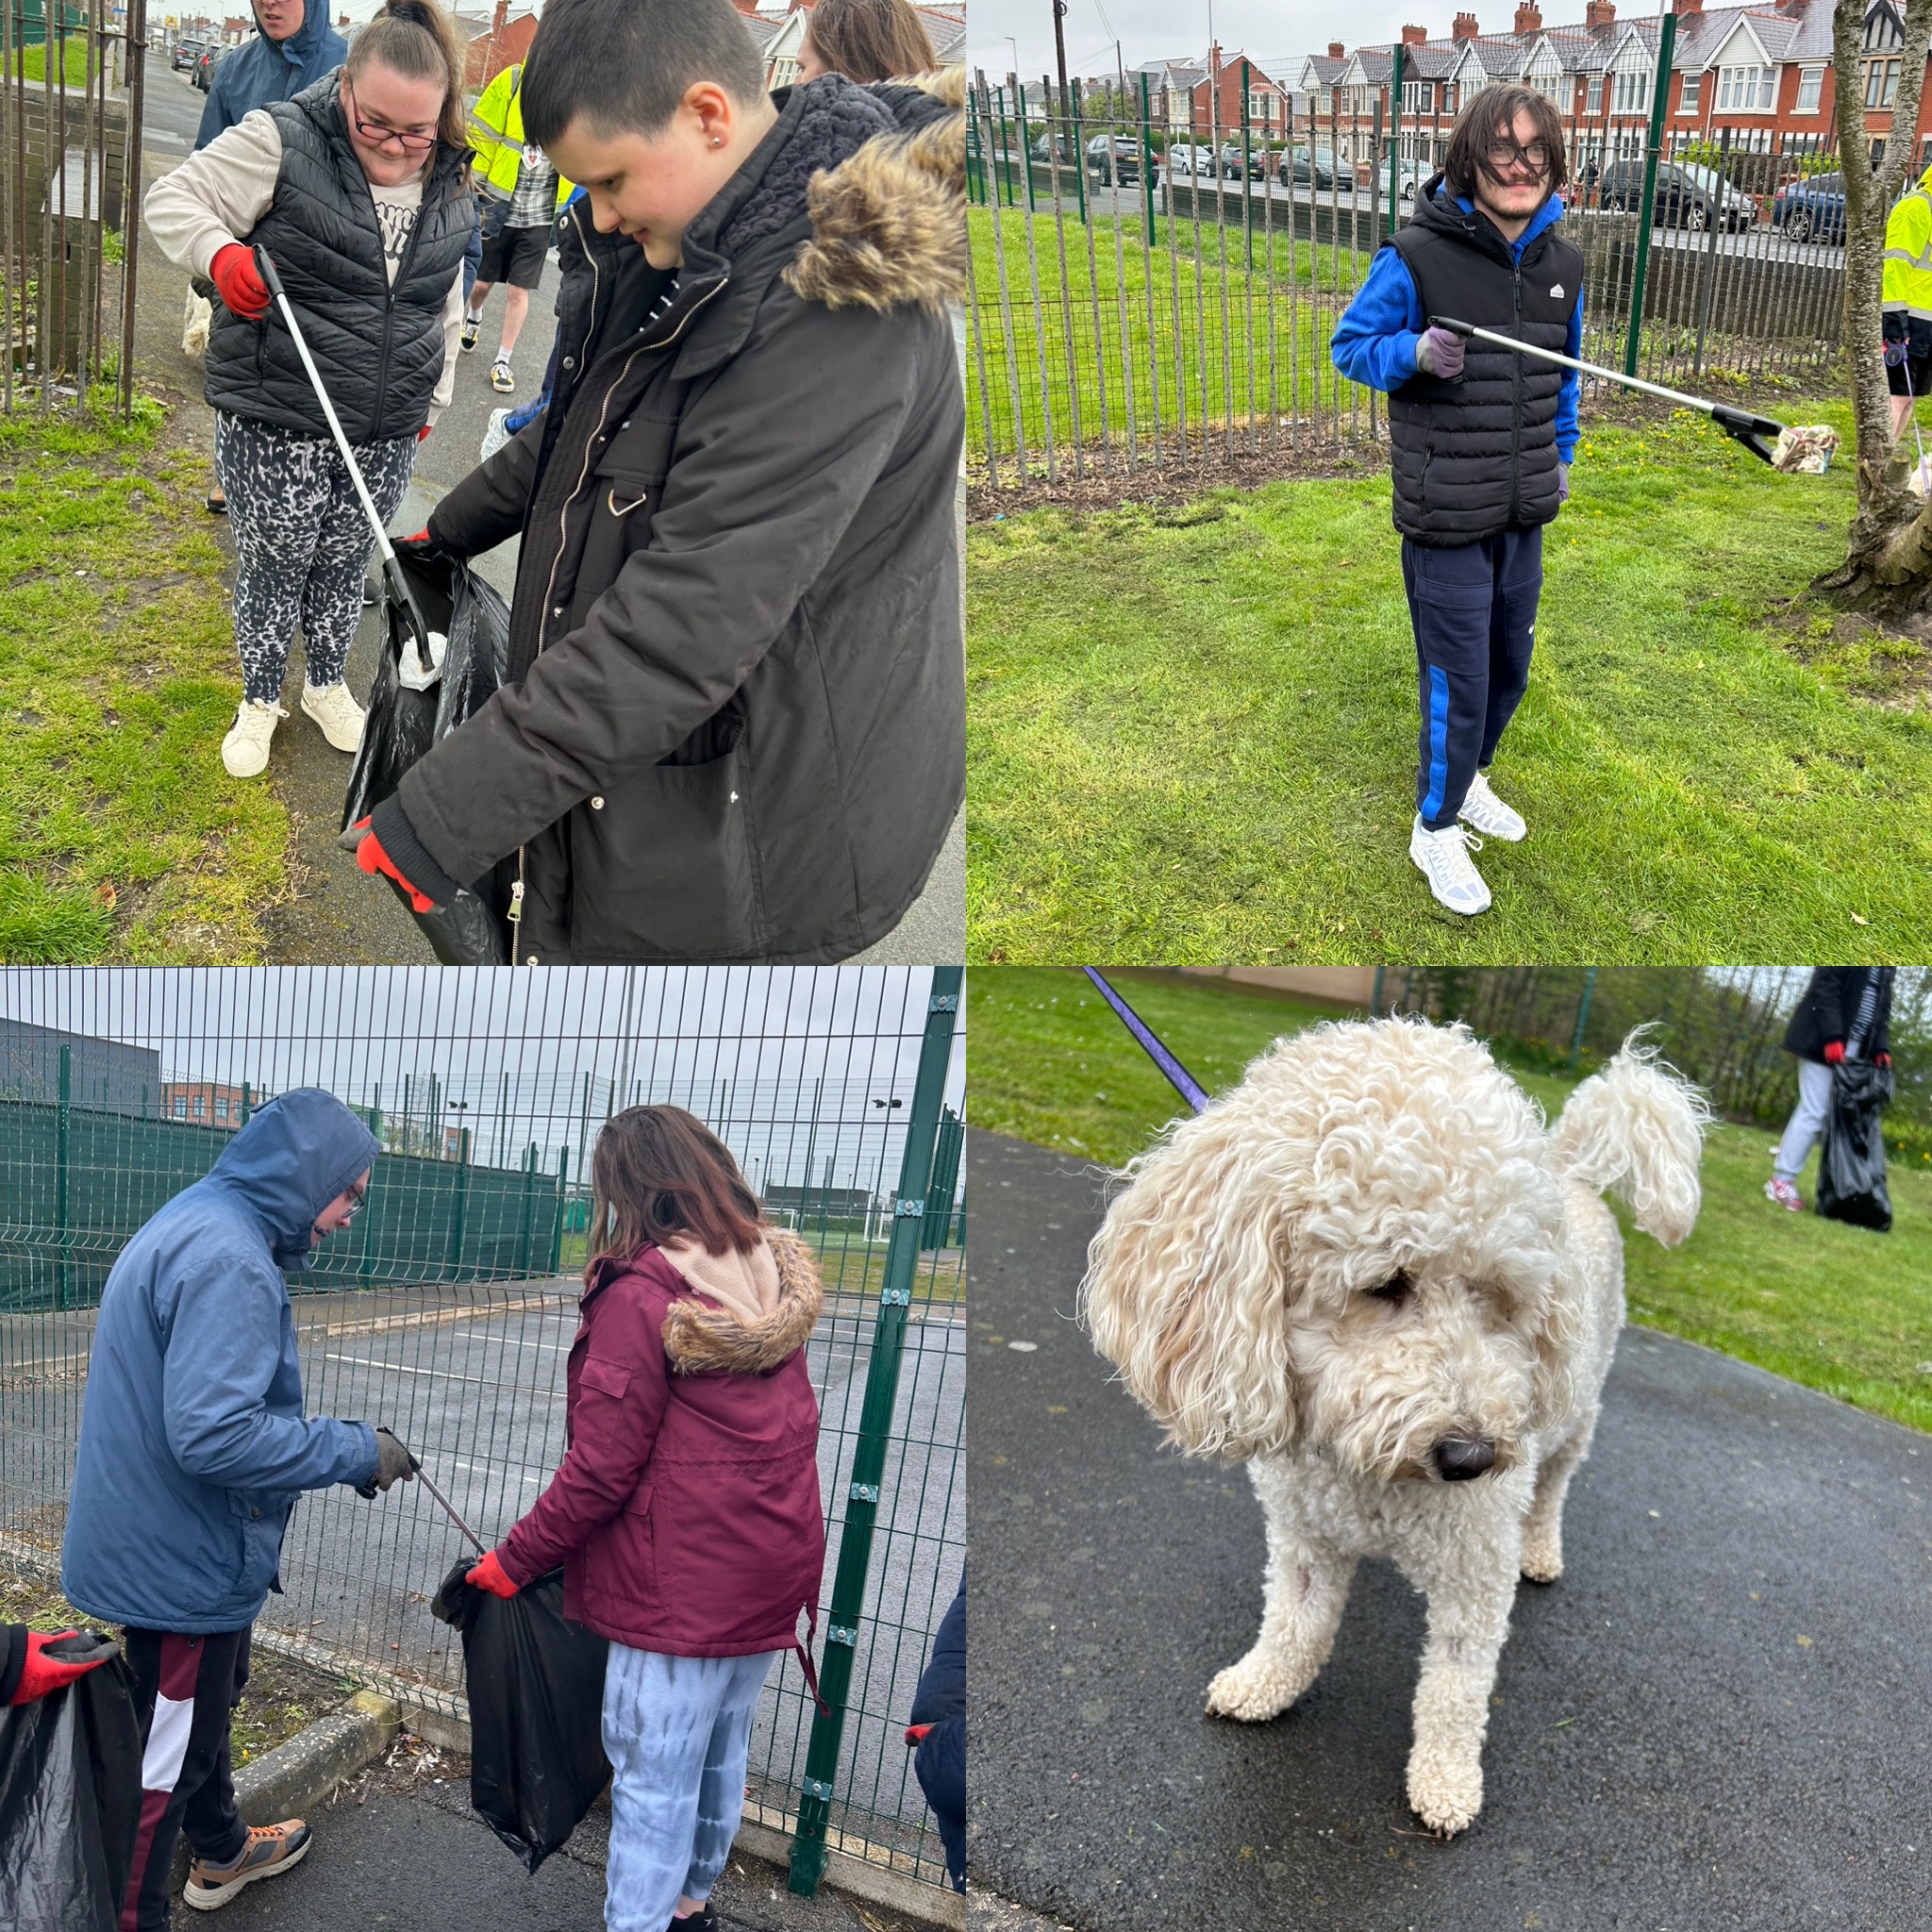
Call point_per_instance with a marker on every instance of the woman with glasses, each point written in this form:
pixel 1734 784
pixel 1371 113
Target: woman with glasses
pixel 359 189
pixel 1481 441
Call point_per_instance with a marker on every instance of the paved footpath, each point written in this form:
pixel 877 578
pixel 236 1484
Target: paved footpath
pixel 1717 1719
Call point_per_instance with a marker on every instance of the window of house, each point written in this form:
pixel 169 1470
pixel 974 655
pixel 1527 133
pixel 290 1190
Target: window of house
pixel 1631 93
pixel 1745 90
pixel 221 1106
pixel 201 1107
pixel 1325 100
pixel 1258 104
pixel 1881 83
pixel 1419 97
pixel 1688 99
pixel 180 1106
pixel 1594 103
pixel 1811 86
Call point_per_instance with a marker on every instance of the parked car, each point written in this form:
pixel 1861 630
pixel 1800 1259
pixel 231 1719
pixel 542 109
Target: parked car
pixel 186 55
pixel 204 74
pixel 1688 195
pixel 1113 157
pixel 1237 161
pixel 1326 172
pixel 1053 147
pixel 1184 157
pixel 1812 209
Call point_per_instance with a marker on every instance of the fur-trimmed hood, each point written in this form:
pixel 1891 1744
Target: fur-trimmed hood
pixel 701 1337
pixel 889 224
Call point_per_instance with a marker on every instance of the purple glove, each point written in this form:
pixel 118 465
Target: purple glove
pixel 1438 352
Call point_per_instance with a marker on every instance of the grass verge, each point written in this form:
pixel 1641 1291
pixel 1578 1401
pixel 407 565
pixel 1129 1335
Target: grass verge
pixel 1191 731
pixel 1835 1307
pixel 122 839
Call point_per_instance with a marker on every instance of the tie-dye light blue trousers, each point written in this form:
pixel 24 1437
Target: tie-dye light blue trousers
pixel 678 1732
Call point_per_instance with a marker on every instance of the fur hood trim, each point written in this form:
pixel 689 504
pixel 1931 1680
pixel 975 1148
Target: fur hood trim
pixel 889 224
pixel 700 1337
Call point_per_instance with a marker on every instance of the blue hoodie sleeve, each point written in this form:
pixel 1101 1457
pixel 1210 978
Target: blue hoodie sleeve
pixel 1567 431
pixel 224 1348
pixel 1374 341
pixel 215 118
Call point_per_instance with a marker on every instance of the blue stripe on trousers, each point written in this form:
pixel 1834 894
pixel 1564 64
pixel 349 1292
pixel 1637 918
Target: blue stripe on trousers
pixel 1439 740
pixel 678 1732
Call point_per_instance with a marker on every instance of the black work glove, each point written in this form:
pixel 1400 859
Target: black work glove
pixel 421 546
pixel 393 1464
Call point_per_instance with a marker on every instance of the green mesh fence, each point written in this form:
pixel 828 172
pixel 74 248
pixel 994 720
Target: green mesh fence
pixel 447 1309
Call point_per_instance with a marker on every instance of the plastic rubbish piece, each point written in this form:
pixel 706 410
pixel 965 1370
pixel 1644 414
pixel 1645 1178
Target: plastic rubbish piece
pixel 536 1688
pixel 1805 449
pixel 1851 1167
pixel 70 1804
pixel 406 718
pixel 410 669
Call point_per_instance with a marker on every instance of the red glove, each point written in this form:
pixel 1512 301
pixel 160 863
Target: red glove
pixel 373 859
pixel 47 1672
pixel 1881 1059
pixel 915 1735
pixel 490 1574
pixel 1834 1053
pixel 232 271
pixel 423 435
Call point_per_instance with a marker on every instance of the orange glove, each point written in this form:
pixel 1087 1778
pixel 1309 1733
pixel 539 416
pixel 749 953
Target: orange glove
pixel 1881 1059
pixel 490 1574
pixel 47 1671
pixel 373 859
pixel 1834 1053
pixel 233 273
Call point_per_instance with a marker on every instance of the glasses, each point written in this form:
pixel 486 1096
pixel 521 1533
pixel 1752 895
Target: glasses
pixel 383 135
pixel 1503 154
pixel 358 1194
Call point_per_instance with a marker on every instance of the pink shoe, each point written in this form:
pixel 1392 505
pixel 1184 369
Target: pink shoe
pixel 1779 1190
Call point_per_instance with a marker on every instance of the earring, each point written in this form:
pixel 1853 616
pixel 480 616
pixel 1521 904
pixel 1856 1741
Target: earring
pixel 717 140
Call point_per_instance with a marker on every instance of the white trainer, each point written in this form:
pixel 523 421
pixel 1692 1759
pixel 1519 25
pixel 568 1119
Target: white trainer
pixel 245 751
pixel 1442 859
pixel 1488 814
pixel 338 714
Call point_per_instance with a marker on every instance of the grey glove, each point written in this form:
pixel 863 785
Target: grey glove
pixel 391 1462
pixel 1563 482
pixel 1438 352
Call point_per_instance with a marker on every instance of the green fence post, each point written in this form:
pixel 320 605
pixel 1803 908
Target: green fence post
pixel 808 1850
pixel 1582 1018
pixel 460 1204
pixel 247 1103
pixel 1394 132
pixel 1025 152
pixel 944 1183
pixel 63 1125
pixel 529 1209
pixel 1667 41
pixel 556 1231
pixel 1147 162
pixel 1006 149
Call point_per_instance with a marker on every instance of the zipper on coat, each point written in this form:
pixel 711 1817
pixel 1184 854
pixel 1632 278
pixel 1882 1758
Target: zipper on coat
pixel 1516 411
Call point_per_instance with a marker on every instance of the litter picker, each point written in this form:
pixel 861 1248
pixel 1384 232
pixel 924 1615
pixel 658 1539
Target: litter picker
pixel 1156 1049
pixel 393 580
pixel 1739 424
pixel 416 1470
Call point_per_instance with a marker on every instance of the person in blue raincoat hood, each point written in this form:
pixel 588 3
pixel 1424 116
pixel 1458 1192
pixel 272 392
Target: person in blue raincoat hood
pixel 296 45
pixel 194 1447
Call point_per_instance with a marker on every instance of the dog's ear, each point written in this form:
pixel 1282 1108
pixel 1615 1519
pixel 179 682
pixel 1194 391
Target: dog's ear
pixel 1188 1291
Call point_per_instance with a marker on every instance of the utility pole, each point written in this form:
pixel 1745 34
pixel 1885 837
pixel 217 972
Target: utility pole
pixel 1059 47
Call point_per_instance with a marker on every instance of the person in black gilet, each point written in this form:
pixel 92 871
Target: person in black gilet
pixel 1482 439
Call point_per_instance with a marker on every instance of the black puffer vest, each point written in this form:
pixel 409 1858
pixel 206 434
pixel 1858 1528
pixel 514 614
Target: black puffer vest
pixel 1479 456
pixel 379 349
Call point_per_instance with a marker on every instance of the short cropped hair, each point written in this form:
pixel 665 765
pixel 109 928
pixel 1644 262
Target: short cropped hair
pixel 1495 110
pixel 623 66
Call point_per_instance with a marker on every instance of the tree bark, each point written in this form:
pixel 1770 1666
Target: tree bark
pixel 1889 557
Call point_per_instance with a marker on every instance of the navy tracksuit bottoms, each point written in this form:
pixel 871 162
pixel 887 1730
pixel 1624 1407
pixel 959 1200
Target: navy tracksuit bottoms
pixel 1474 610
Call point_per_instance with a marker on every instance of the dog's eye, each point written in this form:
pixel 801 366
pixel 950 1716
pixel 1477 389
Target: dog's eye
pixel 1396 1290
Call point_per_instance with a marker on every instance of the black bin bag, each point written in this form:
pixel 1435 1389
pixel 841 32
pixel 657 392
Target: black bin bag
pixel 1851 1169
pixel 536 1689
pixel 70 1804
pixel 472 929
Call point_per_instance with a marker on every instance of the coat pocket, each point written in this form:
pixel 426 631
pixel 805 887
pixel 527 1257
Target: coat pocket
pixel 664 867
pixel 624 499
pixel 638 1555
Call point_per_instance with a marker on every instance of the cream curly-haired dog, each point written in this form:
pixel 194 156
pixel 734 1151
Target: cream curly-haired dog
pixel 1375 1275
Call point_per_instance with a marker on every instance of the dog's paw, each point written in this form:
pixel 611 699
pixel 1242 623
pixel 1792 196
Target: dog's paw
pixel 1252 1690
pixel 1446 1795
pixel 1543 1555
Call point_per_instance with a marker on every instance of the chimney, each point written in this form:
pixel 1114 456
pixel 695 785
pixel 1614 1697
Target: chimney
pixel 1415 36
pixel 1684 6
pixel 499 18
pixel 1336 50
pixel 1599 13
pixel 1465 28
pixel 1528 20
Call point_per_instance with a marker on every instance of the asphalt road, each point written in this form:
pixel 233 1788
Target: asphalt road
pixel 169 107
pixel 1716 1719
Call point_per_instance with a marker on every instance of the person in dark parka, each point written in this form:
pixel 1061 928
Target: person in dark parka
pixel 295 48
pixel 937 1733
pixel 733 724
pixel 1844 1014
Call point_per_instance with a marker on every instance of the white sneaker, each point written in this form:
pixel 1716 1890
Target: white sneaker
pixel 1442 858
pixel 496 435
pixel 338 714
pixel 245 751
pixel 1488 814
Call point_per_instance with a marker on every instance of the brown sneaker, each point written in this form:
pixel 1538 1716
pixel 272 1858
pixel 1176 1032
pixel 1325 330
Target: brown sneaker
pixel 270 1848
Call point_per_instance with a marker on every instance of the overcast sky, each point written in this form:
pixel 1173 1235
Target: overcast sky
pixel 1267 32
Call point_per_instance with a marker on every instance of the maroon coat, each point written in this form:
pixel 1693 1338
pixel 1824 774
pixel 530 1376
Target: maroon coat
pixel 686 1512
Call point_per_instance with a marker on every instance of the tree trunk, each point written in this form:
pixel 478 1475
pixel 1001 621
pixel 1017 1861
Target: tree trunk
pixel 1888 559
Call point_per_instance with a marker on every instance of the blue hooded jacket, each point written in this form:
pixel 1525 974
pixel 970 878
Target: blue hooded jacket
pixel 192 1442
pixel 261 71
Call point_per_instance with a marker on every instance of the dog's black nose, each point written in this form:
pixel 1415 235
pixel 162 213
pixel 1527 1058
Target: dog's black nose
pixel 1461 1459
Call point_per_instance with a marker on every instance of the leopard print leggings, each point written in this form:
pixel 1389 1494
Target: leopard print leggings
pixel 301 542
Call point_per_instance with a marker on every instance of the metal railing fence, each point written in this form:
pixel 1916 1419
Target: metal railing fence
pixel 72 81
pixel 448 1309
pixel 1146 293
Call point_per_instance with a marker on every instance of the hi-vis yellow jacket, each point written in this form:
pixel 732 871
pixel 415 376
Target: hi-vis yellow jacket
pixel 496 134
pixel 1908 290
